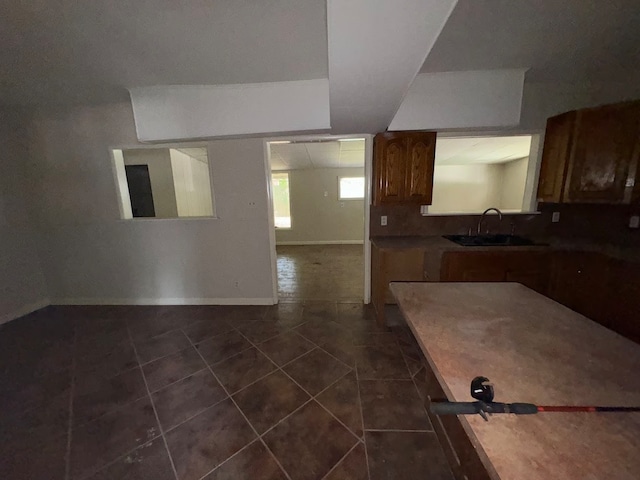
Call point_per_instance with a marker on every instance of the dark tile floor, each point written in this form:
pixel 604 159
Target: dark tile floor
pixel 294 391
pixel 320 272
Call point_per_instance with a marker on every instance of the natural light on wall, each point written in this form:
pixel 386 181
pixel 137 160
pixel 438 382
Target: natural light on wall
pixel 281 201
pixel 163 182
pixel 472 174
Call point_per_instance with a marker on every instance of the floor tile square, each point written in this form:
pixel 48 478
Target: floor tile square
pixel 187 397
pixel 150 349
pixel 95 396
pixel 270 400
pixel 319 310
pixel 223 346
pixel 260 331
pixel 300 442
pixel 285 314
pixel 322 331
pixel 32 460
pixel 286 347
pixel 242 369
pixel 406 455
pixel 167 370
pixel 352 467
pixel 204 329
pixel 205 441
pixel 148 462
pixel 381 363
pixel 108 363
pixel 102 441
pixel 252 462
pixel 343 401
pixel 316 370
pixel 392 405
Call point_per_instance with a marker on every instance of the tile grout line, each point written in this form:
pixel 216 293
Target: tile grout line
pixel 364 436
pixel 398 430
pixel 259 437
pixel 155 412
pixel 340 461
pixel 67 466
pixel 313 397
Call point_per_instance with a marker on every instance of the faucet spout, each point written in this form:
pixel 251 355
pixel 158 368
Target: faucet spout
pixel 482 217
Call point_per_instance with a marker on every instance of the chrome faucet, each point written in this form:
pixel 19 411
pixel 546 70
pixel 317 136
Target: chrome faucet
pixel 482 217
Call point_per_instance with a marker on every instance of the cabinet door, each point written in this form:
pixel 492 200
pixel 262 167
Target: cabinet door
pixel 473 267
pixel 421 153
pixel 555 156
pixel 531 269
pixel 622 304
pixel 602 153
pixel 402 266
pixel 579 283
pixel 389 168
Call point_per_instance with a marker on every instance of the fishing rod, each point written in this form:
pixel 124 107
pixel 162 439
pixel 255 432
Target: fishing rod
pixel 483 392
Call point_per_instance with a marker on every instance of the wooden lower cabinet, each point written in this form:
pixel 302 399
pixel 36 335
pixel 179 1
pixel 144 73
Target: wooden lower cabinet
pixel 393 265
pixel 622 301
pixel 532 269
pixel 580 281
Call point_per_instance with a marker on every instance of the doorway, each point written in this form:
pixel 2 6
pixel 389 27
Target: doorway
pixel 320 208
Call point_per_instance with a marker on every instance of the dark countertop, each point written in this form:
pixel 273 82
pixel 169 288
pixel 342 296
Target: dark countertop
pixel 533 350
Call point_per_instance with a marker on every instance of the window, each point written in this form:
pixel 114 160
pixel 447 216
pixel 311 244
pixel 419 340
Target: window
pixel 163 182
pixel 281 203
pixel 351 188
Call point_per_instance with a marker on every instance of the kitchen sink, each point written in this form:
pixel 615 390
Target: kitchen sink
pixel 490 240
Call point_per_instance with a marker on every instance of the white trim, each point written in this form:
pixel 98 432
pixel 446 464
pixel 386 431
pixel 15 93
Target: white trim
pixel 323 242
pixel 25 310
pixel 162 301
pixel 368 177
pixel 272 227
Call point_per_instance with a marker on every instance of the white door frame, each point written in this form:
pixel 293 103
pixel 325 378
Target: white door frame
pixel 368 168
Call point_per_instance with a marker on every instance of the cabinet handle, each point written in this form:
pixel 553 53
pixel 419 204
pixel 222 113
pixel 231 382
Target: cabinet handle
pixel 579 271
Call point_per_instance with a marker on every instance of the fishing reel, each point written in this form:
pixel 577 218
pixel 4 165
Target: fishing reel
pixel 481 390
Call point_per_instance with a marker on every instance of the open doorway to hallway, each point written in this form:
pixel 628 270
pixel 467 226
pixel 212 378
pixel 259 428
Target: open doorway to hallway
pixel 320 200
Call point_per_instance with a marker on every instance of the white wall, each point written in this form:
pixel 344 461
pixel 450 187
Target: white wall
pixel 160 175
pixel 192 185
pixel 514 178
pixel 91 256
pixel 448 100
pixel 474 188
pixel 465 188
pixel 317 218
pixel 22 283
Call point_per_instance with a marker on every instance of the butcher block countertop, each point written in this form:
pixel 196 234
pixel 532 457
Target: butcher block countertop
pixel 533 350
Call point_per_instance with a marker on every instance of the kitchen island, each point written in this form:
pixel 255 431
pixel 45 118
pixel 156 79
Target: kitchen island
pixel 533 350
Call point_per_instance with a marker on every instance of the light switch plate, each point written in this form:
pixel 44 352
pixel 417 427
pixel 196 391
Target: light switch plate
pixel 634 221
pixel 555 217
pixel 383 220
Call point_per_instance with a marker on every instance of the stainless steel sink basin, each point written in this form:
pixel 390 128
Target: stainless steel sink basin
pixel 497 240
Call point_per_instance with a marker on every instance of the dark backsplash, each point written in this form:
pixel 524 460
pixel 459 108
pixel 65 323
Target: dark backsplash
pixel 600 223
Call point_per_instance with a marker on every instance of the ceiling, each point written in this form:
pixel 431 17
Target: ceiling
pixel 60 52
pixel 75 51
pixel 199 153
pixel 563 41
pixel 326 154
pixel 478 150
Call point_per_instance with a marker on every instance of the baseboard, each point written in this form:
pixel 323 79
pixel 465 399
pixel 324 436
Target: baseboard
pixel 324 242
pixel 162 301
pixel 31 307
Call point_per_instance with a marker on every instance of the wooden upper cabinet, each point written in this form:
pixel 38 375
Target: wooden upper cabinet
pixel 591 156
pixel 421 153
pixel 403 167
pixel 555 157
pixel 602 154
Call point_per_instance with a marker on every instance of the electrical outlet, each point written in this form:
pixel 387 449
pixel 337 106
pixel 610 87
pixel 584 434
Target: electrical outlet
pixel 555 217
pixel 634 221
pixel 383 220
